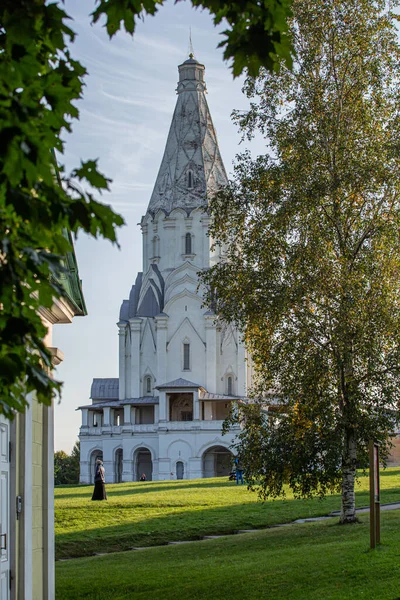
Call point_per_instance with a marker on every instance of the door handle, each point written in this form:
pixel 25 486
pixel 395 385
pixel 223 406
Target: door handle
pixel 3 536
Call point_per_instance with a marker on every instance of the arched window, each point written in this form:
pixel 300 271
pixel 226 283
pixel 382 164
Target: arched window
pixel 180 469
pixel 190 179
pixel 229 385
pixel 186 357
pixel 147 385
pixel 188 243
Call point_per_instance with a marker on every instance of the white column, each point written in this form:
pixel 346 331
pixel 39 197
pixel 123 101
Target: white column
pixel 122 359
pixel 208 411
pixel 162 407
pixel 135 325
pixel 195 471
pixel 196 406
pixel 161 340
pixel 133 415
pixel 156 413
pixel 106 417
pixel 127 414
pixel 145 237
pixel 207 256
pixel 211 354
pixel 85 414
pixel 164 469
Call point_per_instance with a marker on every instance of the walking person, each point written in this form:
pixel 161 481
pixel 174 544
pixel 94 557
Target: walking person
pixel 99 492
pixel 239 472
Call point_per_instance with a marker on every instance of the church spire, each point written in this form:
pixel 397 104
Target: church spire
pixel 192 167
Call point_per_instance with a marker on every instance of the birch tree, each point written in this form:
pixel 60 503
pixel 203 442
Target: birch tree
pixel 311 251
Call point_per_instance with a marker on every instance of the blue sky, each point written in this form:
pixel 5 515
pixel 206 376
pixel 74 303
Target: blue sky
pixel 125 116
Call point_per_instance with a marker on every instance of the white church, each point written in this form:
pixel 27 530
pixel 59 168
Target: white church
pixel 179 368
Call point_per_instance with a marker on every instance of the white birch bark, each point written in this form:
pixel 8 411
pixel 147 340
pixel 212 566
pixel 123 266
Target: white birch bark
pixel 348 509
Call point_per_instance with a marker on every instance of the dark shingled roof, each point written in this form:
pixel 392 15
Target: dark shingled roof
pixel 147 400
pixel 107 389
pixel 207 396
pixel 178 383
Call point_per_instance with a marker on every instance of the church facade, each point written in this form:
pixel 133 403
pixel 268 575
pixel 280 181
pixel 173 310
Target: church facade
pixel 179 368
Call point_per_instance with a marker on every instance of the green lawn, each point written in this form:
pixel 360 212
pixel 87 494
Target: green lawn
pixel 313 561
pixel 153 513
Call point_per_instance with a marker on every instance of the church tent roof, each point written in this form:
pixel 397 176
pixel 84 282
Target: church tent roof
pixel 192 167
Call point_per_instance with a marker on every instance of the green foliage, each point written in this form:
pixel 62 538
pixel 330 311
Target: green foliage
pixel 39 203
pixel 311 251
pixel 257 35
pixel 39 81
pixel 66 468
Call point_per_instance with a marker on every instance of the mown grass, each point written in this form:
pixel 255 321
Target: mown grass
pixel 153 513
pixel 314 561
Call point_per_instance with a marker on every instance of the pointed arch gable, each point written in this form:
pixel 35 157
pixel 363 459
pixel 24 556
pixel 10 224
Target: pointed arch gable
pixel 177 211
pixel 186 321
pixel 145 331
pixel 184 294
pixel 184 267
pixel 149 372
pixel 154 278
pixel 228 335
pixel 186 279
pixel 159 215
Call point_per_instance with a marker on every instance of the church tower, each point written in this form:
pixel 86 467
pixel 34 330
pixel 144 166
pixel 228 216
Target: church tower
pixel 179 370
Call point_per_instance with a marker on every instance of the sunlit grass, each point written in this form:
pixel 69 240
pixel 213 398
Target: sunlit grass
pixel 153 513
pixel 302 562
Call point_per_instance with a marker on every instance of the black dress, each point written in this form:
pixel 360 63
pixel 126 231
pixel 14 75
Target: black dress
pixel 99 492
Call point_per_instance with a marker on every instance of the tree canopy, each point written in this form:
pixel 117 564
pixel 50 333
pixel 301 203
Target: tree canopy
pixel 309 236
pixel 40 204
pixel 67 468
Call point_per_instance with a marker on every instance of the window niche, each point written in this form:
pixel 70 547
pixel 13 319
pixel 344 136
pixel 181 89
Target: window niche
pixel 188 245
pixel 229 385
pixel 190 180
pixel 186 356
pixel 147 386
pixel 156 249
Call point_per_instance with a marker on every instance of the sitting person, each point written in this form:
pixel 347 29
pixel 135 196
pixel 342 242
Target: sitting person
pixel 143 477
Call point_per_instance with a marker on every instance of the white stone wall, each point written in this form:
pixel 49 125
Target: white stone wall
pixel 166 448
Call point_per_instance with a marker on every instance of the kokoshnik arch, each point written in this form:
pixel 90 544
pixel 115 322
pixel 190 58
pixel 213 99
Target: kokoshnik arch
pixel 179 370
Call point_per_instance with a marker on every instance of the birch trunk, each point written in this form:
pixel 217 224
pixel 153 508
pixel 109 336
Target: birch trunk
pixel 348 509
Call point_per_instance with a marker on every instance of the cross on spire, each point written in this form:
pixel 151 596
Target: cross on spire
pixel 191 51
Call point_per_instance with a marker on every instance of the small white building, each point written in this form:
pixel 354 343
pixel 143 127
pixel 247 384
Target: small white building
pixel 179 370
